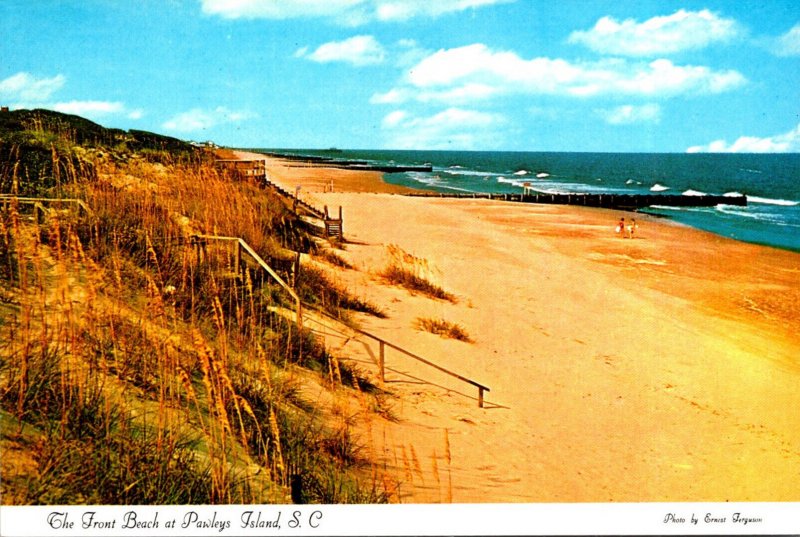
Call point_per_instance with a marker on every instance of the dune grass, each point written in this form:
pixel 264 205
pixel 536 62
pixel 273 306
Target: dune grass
pixel 443 328
pixel 137 370
pixel 411 273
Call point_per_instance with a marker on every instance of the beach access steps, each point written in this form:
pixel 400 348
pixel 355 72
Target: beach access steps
pixel 305 312
pixel 609 201
pixel 332 227
pixel 256 169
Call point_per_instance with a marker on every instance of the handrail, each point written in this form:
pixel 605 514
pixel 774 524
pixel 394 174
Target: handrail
pixel 423 360
pixel 269 270
pixel 241 244
pixel 29 200
pixel 381 356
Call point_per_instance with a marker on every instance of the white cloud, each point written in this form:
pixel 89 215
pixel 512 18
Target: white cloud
pixel 26 87
pixel 470 92
pixel 683 30
pixel 198 119
pixel 393 96
pixel 351 12
pixel 454 128
pixel 628 114
pixel 358 50
pixel 401 10
pixel 393 119
pixel 408 52
pixel 475 72
pixel 781 143
pixel 789 43
pixel 272 9
pixel 24 90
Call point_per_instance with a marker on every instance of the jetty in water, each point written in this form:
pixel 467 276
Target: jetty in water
pixel 608 201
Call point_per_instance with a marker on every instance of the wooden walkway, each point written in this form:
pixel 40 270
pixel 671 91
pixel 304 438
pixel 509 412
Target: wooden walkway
pixel 256 169
pixel 609 201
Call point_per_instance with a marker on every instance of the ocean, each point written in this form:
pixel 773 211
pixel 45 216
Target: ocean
pixel 770 181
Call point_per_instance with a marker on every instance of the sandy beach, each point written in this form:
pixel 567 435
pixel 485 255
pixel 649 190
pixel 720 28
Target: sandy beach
pixel 659 368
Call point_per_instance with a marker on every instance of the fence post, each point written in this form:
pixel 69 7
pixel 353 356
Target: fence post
pixel 38 210
pixel 238 260
pixel 299 313
pixel 295 270
pixel 480 396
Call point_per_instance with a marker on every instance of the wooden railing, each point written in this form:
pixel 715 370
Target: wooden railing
pixel 240 247
pixel 39 204
pixel 382 344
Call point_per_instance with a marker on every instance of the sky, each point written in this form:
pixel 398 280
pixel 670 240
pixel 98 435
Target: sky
pixel 517 75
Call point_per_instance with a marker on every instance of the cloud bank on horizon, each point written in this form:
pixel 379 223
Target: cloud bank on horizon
pixel 444 74
pixel 788 142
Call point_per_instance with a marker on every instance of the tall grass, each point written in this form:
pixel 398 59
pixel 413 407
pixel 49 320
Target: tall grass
pixel 139 362
pixel 443 328
pixel 412 273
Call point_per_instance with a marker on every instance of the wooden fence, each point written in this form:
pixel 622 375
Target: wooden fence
pixel 609 201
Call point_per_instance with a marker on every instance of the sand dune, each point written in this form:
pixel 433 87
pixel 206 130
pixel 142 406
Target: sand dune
pixel 659 368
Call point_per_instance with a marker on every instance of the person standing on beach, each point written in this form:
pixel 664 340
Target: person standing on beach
pixel 621 227
pixel 631 228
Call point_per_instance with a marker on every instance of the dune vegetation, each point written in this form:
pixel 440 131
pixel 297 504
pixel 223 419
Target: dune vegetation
pixel 142 365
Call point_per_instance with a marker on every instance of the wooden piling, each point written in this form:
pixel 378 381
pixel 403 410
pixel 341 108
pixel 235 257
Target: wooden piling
pixel 238 258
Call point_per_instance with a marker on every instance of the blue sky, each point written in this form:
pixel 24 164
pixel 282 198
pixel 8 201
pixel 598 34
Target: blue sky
pixel 524 75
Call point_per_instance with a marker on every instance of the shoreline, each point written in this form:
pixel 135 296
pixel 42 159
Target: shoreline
pixel 658 368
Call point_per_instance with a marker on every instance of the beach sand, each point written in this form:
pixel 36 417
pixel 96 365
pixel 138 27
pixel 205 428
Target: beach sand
pixel 660 368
